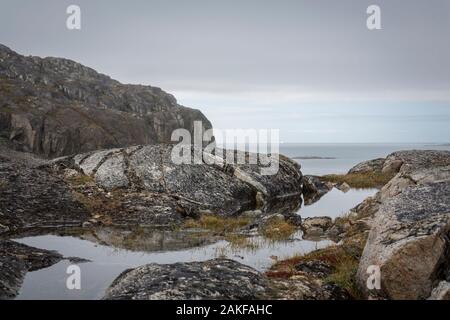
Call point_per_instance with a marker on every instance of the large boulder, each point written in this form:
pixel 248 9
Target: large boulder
pixel 151 188
pixel 213 279
pixel 409 238
pixel 55 107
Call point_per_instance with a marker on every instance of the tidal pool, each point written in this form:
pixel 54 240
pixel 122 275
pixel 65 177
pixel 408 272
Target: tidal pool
pixel 112 250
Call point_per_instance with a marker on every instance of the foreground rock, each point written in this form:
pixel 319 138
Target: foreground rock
pixel 213 279
pixel 16 260
pixel 410 242
pixel 409 237
pixel 55 107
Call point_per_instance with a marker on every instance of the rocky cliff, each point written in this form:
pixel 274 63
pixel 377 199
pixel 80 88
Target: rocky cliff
pixel 54 107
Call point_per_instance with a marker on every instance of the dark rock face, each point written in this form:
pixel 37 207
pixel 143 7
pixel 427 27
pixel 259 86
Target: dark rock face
pixel 213 279
pixel 55 107
pixel 16 260
pixel 32 197
pixel 314 189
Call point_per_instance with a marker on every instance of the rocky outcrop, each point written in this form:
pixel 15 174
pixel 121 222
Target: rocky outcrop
pixel 148 188
pixel 375 165
pixel 55 107
pixel 136 186
pixel 16 260
pixel 409 237
pixel 31 197
pixel 213 279
pixel 314 189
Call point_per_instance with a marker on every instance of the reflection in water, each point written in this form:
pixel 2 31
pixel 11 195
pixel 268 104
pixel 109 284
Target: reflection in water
pixel 108 262
pixel 336 203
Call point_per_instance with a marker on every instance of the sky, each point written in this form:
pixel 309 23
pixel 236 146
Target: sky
pixel 311 68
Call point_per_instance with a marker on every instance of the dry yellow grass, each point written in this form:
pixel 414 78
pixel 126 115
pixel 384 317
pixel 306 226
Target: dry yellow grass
pixel 360 180
pixel 277 229
pixel 217 224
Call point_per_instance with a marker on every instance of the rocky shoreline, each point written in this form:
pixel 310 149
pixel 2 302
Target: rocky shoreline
pixel 403 229
pixel 79 150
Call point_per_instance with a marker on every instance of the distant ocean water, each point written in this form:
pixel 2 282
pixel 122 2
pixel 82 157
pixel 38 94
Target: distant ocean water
pixel 344 155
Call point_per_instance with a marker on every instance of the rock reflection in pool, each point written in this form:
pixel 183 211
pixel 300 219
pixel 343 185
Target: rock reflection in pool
pixel 336 203
pixel 107 262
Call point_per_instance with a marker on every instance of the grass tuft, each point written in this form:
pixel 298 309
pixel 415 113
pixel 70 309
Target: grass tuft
pixel 79 180
pixel 360 180
pixel 216 224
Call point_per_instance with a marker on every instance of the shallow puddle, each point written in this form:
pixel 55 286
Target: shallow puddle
pixel 108 262
pixel 336 203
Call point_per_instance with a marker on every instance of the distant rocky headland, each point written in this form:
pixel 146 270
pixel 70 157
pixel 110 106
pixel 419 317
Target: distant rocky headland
pixel 55 107
pixel 79 150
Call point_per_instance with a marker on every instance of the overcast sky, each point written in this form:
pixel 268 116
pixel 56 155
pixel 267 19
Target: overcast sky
pixel 309 68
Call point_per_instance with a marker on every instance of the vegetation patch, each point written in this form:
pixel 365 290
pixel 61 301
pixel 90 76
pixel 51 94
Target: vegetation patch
pixel 277 229
pixel 217 224
pixel 79 180
pixel 360 180
pixel 98 205
pixel 239 241
pixel 343 260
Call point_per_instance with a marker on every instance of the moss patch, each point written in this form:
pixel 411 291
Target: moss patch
pixel 360 180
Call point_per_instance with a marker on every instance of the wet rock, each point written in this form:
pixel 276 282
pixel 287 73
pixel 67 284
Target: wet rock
pixel 16 260
pixel 213 279
pixel 55 107
pixel 316 225
pixel 314 188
